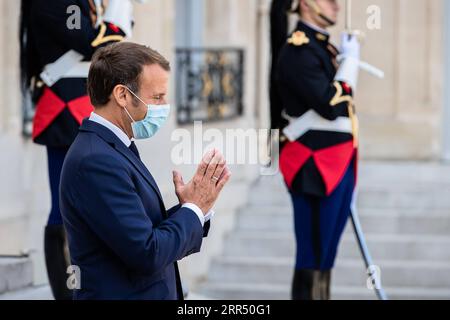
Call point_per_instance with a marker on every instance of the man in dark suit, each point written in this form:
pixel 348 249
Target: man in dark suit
pixel 121 237
pixel 56 48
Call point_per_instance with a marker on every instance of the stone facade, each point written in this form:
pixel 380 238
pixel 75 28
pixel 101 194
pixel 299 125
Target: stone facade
pixel 401 115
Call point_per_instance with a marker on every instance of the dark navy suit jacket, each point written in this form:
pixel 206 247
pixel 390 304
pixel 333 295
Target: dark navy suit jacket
pixel 120 235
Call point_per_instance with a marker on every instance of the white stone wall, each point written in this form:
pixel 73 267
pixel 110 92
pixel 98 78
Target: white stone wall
pixel 401 115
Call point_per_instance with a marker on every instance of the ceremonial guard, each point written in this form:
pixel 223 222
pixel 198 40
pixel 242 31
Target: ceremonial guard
pixel 312 104
pixel 58 39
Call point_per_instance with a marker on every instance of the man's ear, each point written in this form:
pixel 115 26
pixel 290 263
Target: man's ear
pixel 302 5
pixel 308 5
pixel 119 94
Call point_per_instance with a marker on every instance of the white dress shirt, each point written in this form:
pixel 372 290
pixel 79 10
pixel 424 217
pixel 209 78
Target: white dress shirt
pixel 127 142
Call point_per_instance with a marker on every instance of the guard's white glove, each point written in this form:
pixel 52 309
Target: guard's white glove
pixel 350 46
pixel 350 53
pixel 120 13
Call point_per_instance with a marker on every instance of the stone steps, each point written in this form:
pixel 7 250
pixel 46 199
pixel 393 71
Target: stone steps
pixel 387 247
pixel 258 291
pixel 347 272
pixel 15 274
pixel 29 293
pixel 372 198
pixel 404 210
pixel 372 220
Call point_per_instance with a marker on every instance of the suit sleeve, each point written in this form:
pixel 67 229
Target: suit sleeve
pixel 174 209
pixel 85 39
pixel 301 71
pixel 206 227
pixel 112 208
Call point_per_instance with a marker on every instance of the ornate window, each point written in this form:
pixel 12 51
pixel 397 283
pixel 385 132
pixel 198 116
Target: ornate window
pixel 209 81
pixel 209 84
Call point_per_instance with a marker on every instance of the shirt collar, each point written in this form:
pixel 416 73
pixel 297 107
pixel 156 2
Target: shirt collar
pixel 316 28
pixel 111 126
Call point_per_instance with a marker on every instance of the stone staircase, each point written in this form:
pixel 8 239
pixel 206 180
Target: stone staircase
pixel 405 213
pixel 15 274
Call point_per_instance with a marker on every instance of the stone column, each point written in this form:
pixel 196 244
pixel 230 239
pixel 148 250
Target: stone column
pixel 446 87
pixel 400 114
pixel 10 90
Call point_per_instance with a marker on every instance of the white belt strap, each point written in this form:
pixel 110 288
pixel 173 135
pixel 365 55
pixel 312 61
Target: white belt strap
pixel 69 65
pixel 311 120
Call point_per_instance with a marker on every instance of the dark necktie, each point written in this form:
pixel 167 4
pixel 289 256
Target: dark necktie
pixel 134 149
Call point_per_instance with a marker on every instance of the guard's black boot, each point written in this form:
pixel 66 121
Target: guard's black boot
pixel 325 280
pixel 57 261
pixel 301 284
pixel 311 285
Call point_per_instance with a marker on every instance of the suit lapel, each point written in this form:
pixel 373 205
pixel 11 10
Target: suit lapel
pixel 139 165
pixel 114 141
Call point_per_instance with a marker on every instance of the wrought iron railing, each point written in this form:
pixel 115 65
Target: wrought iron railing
pixel 209 84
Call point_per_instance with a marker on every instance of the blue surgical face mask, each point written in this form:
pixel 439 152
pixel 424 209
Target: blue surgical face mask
pixel 156 116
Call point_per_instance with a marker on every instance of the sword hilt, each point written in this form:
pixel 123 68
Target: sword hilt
pixel 357 33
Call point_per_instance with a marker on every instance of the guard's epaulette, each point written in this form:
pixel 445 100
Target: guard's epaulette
pixel 298 39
